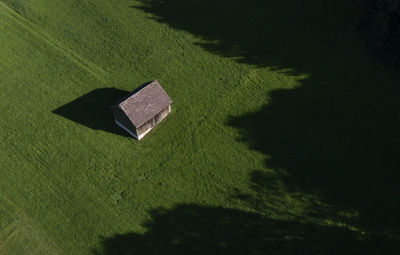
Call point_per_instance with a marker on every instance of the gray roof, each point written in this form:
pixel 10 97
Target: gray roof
pixel 144 103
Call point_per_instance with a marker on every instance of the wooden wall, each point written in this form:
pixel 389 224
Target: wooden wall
pixel 153 121
pixel 161 115
pixel 145 126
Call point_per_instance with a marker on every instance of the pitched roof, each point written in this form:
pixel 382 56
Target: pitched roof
pixel 144 102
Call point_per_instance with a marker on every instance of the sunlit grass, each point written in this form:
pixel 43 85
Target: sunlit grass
pixel 67 186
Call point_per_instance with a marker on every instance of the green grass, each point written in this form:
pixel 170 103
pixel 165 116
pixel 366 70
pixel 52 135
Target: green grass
pixel 283 134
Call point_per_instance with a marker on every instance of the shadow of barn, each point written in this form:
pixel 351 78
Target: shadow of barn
pixel 93 110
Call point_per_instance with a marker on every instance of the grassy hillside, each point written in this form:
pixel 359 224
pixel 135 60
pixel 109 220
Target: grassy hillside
pixel 283 134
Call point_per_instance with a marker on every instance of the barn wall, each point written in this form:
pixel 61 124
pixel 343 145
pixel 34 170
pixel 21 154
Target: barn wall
pixel 145 126
pixel 161 115
pixel 121 117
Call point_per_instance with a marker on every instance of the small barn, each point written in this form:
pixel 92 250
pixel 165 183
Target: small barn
pixel 142 109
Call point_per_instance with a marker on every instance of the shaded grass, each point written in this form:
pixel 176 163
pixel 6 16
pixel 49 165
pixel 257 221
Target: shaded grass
pixel 335 135
pixel 93 109
pixel 194 229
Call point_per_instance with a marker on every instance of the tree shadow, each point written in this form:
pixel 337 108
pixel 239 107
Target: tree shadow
pixel 93 110
pixel 339 142
pixel 336 134
pixel 194 229
pixel 273 33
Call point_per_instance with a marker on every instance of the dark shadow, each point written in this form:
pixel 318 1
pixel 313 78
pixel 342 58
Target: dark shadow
pixel 340 142
pixel 336 135
pixel 93 110
pixel 273 33
pixel 193 229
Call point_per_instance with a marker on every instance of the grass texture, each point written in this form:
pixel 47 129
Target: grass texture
pixel 283 135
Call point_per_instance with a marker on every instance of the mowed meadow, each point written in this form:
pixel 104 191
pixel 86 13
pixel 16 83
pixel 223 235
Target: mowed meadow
pixel 283 136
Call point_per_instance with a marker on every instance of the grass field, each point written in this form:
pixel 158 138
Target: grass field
pixel 283 136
